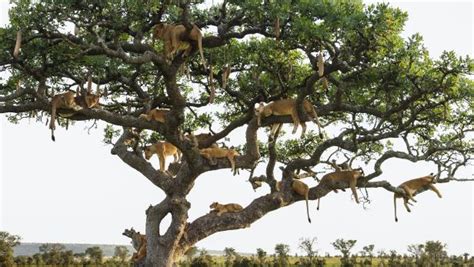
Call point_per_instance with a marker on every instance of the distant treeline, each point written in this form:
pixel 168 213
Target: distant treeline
pixel 431 253
pixel 29 249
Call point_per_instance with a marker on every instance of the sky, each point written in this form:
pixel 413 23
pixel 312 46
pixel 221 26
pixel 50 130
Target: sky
pixel 74 191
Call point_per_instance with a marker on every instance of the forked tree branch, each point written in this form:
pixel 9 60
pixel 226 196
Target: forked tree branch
pixel 137 162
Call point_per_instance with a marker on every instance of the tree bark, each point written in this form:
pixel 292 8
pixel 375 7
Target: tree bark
pixel 163 250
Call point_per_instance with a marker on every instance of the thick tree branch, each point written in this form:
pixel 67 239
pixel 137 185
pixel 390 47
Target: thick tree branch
pixel 22 108
pixel 136 161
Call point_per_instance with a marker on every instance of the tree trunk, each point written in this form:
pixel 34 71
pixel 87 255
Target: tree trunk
pixel 163 256
pixel 164 250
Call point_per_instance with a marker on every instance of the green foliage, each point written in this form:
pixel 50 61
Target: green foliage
pixel 433 255
pixel 52 253
pixel 110 133
pixel 121 253
pixel 382 70
pixel 297 148
pixel 344 246
pixel 368 250
pixel 95 254
pixel 198 121
pixel 282 252
pixel 204 259
pixel 430 253
pixel 230 255
pixel 67 258
pixel 261 254
pixel 7 242
pixel 307 245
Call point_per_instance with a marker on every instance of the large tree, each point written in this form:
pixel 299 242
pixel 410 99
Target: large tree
pixel 385 99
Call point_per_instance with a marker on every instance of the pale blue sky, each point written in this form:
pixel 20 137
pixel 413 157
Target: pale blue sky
pixel 75 191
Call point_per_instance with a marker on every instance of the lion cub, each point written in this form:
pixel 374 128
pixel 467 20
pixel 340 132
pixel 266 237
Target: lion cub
pixel 285 107
pixel 223 208
pixel 155 114
pixel 212 153
pixel 411 187
pixel 334 179
pixel 162 149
